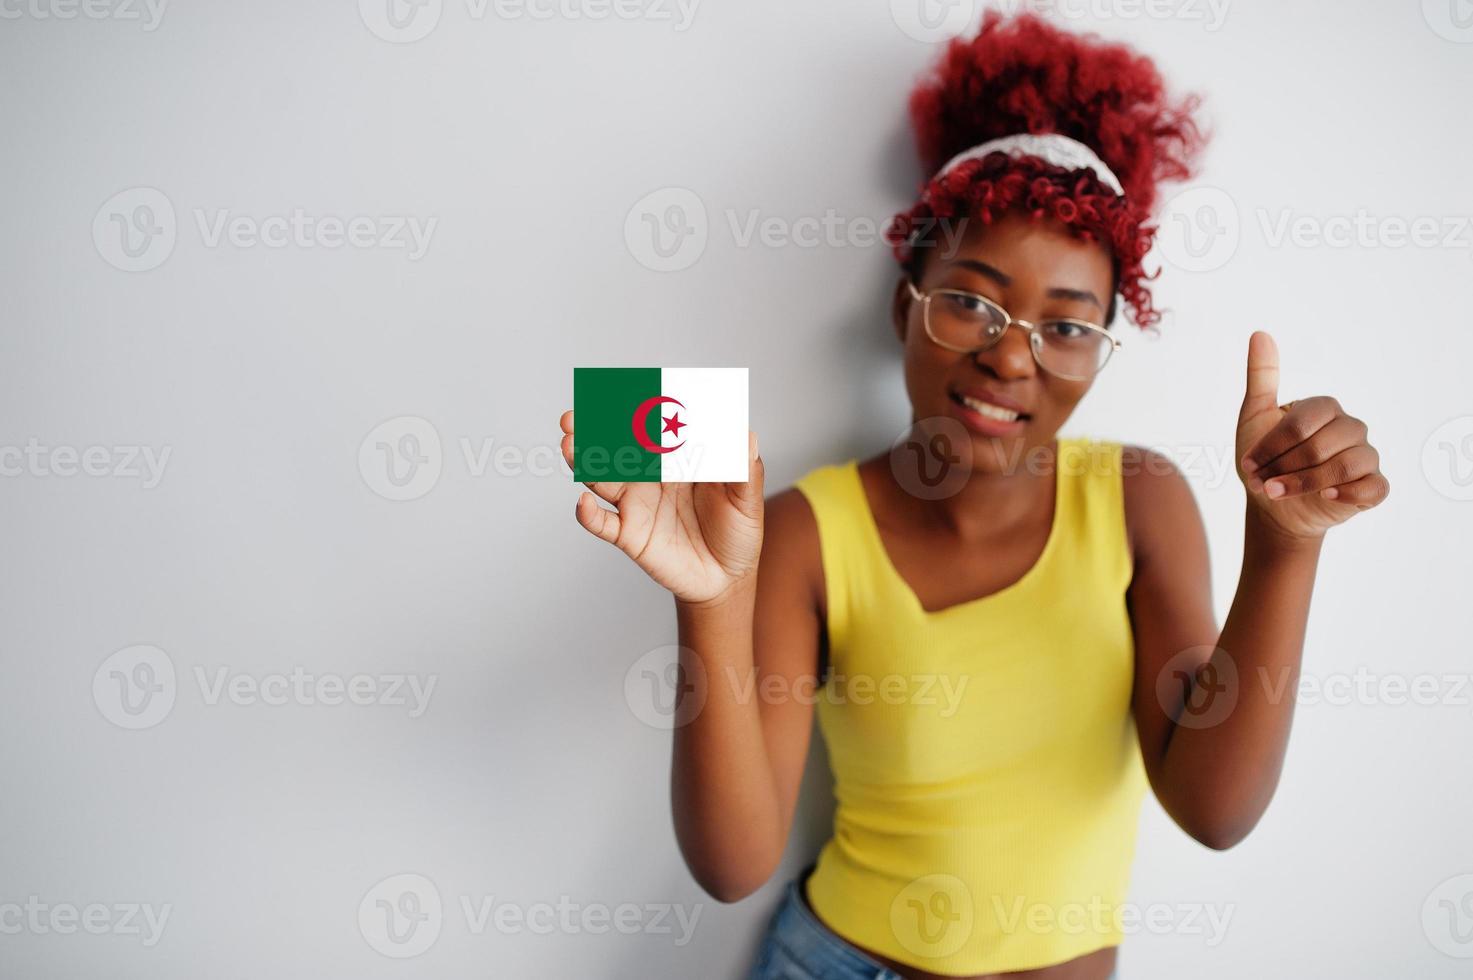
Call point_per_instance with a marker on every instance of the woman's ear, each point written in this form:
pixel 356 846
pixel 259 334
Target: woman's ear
pixel 900 308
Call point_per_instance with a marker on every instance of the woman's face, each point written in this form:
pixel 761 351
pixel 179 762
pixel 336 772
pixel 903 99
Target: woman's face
pixel 1035 271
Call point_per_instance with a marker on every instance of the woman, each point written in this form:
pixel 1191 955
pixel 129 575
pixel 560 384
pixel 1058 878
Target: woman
pixel 1027 617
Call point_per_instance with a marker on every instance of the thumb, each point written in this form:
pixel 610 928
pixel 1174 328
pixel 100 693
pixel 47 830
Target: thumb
pixel 748 496
pixel 1262 392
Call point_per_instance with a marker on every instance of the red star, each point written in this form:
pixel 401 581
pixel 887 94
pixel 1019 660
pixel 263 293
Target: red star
pixel 673 425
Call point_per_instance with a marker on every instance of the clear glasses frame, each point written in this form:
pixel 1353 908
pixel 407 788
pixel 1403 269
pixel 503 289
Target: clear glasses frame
pixel 1002 320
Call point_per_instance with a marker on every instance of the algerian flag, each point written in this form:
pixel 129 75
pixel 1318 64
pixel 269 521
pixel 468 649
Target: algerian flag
pixel 660 425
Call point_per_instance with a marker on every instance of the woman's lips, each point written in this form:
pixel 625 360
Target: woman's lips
pixel 973 416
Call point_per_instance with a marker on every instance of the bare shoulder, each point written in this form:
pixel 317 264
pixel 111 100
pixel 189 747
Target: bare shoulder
pixel 1159 505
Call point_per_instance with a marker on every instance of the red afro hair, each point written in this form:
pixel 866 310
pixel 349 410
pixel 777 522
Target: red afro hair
pixel 1025 75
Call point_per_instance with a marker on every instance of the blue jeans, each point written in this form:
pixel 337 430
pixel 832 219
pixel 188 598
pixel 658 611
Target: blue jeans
pixel 797 946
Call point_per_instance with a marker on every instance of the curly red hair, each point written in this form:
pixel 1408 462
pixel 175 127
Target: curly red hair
pixel 1025 75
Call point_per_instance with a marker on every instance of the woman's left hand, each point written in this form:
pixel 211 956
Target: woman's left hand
pixel 1307 466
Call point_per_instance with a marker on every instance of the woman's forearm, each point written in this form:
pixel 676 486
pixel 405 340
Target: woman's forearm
pixel 1222 762
pixel 728 819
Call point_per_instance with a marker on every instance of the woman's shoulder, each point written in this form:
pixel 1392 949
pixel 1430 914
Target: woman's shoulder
pixel 1158 500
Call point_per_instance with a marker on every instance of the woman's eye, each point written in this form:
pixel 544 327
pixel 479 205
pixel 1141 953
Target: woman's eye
pixel 1066 330
pixel 969 305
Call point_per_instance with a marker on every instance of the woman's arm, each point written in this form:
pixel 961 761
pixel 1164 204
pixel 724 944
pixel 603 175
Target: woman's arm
pixel 1213 710
pixel 747 581
pixel 738 763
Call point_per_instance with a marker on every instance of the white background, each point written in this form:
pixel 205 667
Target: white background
pixel 271 542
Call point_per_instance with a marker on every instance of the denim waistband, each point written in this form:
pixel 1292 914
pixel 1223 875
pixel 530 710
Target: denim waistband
pixel 797 934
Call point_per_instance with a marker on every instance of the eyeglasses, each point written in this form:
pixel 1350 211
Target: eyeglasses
pixel 968 322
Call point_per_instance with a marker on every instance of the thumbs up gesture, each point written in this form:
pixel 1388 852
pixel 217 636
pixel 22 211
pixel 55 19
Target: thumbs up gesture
pixel 1306 465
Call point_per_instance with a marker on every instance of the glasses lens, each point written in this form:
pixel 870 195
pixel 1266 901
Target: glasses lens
pixel 965 321
pixel 1073 348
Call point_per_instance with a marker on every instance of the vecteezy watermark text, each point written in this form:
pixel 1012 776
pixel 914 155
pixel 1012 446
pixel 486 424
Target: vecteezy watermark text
pixel 39 918
pixel 403 915
pixel 36 459
pixel 668 230
pixel 136 230
pixel 137 687
pixel 407 21
pixel 148 13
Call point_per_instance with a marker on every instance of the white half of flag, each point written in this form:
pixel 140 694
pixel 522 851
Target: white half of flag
pixel 705 429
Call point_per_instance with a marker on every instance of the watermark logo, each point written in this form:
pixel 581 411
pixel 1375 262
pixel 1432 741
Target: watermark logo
pixel 1447 458
pixel 401 458
pixel 667 229
pixel 400 21
pixel 932 459
pixel 664 693
pixel 933 916
pixel 1198 687
pixel 135 229
pixel 931 21
pixel 1450 19
pixel 1447 917
pixel 135 688
pixel 401 916
pixel 1200 229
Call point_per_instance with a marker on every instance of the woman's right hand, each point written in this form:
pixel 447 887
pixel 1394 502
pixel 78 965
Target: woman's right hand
pixel 699 540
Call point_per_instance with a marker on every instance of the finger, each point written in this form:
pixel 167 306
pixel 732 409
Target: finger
pixel 565 421
pixel 747 497
pixel 610 492
pixel 1307 417
pixel 1262 391
pixel 1343 467
pixel 1364 493
pixel 1340 434
pixel 597 520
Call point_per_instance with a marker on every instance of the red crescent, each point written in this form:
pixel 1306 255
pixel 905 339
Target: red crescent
pixel 640 414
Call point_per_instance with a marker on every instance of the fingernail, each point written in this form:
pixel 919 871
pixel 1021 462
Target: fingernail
pixel 1274 488
pixel 1249 465
pixel 755 453
pixel 1255 484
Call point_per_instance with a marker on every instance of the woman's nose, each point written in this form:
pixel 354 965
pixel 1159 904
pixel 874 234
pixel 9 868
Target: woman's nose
pixel 1011 356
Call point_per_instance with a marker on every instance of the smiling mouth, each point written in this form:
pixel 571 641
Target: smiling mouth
pixel 988 410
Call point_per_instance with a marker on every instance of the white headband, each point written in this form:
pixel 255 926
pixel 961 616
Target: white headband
pixel 1053 148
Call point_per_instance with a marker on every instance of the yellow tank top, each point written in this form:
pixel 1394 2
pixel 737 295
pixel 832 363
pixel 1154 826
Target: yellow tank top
pixel 984 755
